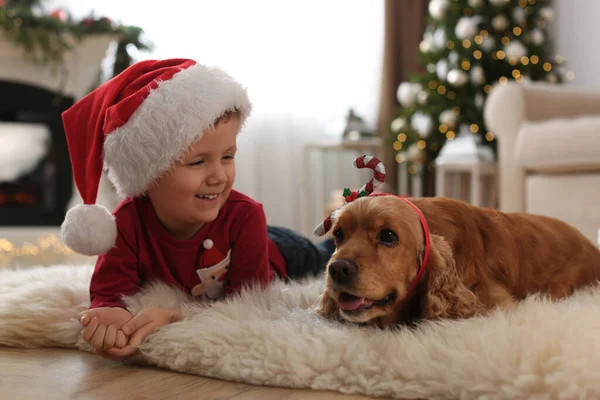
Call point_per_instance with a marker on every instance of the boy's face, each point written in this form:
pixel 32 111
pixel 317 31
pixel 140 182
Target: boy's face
pixel 194 192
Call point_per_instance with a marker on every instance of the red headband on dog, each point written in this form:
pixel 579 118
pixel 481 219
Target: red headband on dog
pixel 367 191
pixel 425 232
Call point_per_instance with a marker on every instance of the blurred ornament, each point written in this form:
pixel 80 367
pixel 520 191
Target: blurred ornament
pixel 466 28
pixel 536 37
pixel 439 8
pixel 407 93
pixel 427 43
pixel 551 77
pixel 498 3
pixel 500 23
pixel 449 117
pixel 547 14
pixel 422 97
pixel 477 75
pixel 431 68
pixel 60 15
pixel 415 155
pixel 422 123
pixel 488 44
pixel 479 100
pixel 515 50
pixel 398 124
pixel 519 15
pixel 87 22
pixel 441 69
pixel 475 3
pixel 457 77
pixel 452 58
pixel 439 39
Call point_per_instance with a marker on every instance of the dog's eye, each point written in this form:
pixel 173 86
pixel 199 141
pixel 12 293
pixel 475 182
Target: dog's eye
pixel 387 237
pixel 338 235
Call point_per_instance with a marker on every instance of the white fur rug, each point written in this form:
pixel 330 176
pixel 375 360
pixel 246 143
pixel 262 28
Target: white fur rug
pixel 541 350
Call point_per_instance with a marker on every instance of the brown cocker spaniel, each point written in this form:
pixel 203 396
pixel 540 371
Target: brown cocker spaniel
pixel 476 259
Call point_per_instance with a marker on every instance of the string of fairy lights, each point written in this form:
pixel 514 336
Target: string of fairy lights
pixel 47 249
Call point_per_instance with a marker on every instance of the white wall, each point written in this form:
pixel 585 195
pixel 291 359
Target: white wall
pixel 576 32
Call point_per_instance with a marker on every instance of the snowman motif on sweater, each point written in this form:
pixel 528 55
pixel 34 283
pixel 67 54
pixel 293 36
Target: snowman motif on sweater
pixel 213 277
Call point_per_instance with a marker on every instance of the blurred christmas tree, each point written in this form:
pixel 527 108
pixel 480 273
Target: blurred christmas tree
pixel 469 45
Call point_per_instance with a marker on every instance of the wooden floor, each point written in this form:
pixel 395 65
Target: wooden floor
pixel 50 374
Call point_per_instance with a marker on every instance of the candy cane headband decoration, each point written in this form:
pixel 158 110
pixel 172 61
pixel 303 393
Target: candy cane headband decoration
pixel 367 190
pixel 378 178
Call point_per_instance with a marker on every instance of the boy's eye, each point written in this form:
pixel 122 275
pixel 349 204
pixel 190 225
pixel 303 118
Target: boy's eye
pixel 229 157
pixel 199 162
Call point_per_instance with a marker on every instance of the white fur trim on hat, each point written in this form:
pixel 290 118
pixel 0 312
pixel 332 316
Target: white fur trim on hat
pixel 90 230
pixel 167 123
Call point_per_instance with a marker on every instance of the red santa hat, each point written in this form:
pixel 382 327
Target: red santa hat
pixel 212 255
pixel 137 125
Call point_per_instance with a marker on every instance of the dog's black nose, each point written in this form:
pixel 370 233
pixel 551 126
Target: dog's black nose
pixel 343 271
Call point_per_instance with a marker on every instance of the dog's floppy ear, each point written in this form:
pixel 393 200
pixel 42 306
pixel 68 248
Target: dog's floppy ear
pixel 446 295
pixel 327 307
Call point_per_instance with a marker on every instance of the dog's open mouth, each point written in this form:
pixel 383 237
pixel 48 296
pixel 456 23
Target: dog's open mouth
pixel 354 304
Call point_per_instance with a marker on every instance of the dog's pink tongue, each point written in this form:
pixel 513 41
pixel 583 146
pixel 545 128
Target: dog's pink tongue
pixel 347 302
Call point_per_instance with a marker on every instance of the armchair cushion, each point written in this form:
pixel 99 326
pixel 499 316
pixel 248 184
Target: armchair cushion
pixel 562 144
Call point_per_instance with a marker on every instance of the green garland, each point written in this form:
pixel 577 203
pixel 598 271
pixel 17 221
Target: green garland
pixel 45 38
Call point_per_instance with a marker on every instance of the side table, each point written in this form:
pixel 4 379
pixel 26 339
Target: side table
pixel 480 193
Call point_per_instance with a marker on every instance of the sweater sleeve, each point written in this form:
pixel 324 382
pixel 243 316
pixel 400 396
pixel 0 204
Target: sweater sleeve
pixel 249 254
pixel 116 273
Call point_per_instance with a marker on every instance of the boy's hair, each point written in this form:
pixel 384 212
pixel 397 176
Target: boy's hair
pixel 227 115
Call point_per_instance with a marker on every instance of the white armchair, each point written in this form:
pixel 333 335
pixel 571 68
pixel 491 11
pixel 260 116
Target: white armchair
pixel 548 151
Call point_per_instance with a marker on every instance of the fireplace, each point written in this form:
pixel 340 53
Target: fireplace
pixel 36 182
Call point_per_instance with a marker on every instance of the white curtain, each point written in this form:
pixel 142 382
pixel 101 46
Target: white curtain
pixel 305 63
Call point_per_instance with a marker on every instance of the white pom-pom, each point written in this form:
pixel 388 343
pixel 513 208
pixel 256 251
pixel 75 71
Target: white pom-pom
pixel 89 229
pixel 208 244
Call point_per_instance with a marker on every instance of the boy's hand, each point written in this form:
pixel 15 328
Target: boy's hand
pixel 143 324
pixel 101 327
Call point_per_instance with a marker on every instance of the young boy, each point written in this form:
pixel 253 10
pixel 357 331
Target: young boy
pixel 166 130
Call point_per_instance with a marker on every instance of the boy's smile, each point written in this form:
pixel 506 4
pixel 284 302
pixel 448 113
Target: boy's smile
pixel 193 192
pixel 208 197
